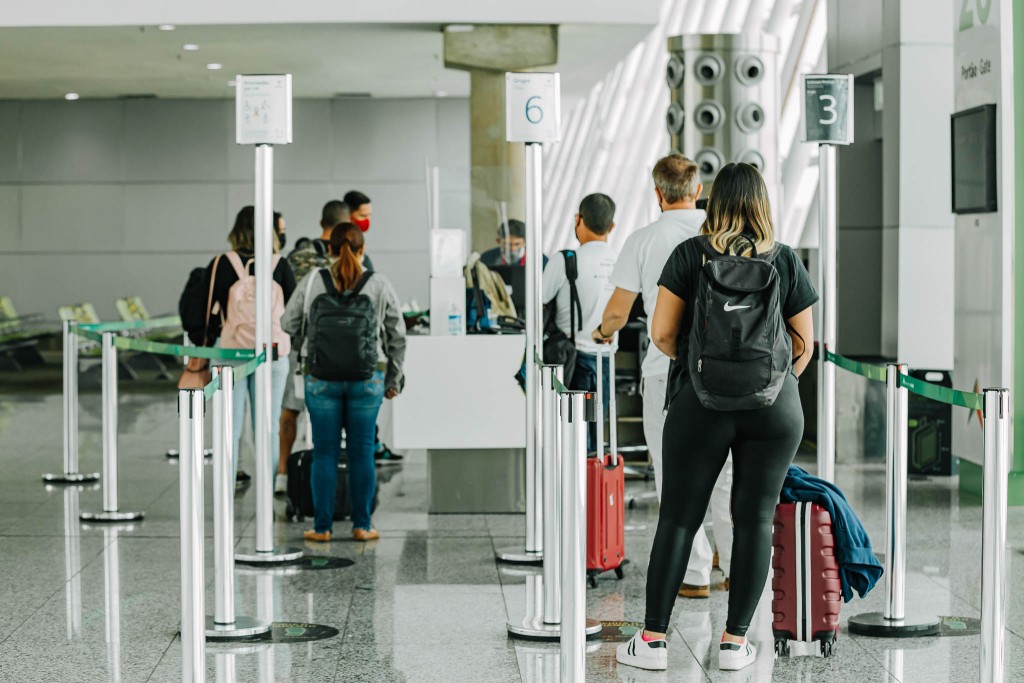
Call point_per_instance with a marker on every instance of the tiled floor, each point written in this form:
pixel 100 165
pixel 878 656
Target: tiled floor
pixel 425 603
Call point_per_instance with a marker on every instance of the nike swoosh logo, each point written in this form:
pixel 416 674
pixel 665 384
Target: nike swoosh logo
pixel 730 307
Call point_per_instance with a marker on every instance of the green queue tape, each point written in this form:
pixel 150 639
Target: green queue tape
pixel 210 389
pixel 163 349
pixel 875 373
pixel 241 372
pixel 124 325
pixel 953 397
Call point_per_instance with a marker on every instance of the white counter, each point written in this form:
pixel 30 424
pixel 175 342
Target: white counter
pixel 460 393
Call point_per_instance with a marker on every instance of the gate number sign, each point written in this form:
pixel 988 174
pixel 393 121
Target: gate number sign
pixel 828 108
pixel 532 107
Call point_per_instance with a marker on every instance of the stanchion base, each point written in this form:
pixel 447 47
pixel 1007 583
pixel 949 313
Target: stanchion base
pixel 534 628
pixel 174 454
pixel 877 626
pixel 274 556
pixel 72 478
pixel 115 516
pixel 243 627
pixel 518 555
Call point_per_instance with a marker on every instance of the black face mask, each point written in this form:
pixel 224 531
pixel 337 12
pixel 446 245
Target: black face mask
pixel 282 238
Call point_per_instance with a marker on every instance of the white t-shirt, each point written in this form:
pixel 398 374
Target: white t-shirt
pixel 594 264
pixel 640 264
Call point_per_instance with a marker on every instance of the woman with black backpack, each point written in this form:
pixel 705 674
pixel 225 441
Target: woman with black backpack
pixel 348 326
pixel 734 314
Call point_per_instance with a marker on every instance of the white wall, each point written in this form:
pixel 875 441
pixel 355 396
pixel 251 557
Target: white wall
pixel 102 199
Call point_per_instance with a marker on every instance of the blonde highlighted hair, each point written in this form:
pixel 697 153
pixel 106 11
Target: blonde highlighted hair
pixel 739 204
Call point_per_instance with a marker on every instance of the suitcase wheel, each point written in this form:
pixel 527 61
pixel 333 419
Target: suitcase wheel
pixel 619 573
pixel 592 579
pixel 782 647
pixel 826 648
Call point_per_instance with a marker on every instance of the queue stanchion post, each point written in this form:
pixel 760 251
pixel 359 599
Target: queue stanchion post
pixel 827 274
pixel 69 400
pixel 894 621
pixel 111 511
pixel 224 624
pixel 264 550
pixel 573 515
pixel 543 617
pixel 190 488
pixel 533 552
pixel 995 486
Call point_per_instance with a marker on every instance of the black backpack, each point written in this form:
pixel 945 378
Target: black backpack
pixel 739 349
pixel 560 349
pixel 341 339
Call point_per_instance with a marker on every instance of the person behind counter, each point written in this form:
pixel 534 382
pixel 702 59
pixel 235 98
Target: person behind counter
pixel 511 249
pixel 332 317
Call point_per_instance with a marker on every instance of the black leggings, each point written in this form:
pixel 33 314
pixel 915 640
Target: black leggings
pixel 697 442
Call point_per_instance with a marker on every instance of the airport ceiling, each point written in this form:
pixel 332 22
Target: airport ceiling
pixel 327 60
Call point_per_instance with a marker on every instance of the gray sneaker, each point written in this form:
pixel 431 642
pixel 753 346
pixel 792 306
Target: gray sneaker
pixel 281 485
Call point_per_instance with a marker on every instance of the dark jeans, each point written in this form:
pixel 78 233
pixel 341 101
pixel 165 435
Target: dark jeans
pixel 697 442
pixel 585 378
pixel 354 406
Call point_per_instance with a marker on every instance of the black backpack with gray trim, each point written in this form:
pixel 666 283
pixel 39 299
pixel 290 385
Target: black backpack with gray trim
pixel 739 349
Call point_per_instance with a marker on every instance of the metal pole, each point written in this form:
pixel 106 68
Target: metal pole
pixel 190 488
pixel 827 277
pixel 112 597
pixel 613 409
pixel 72 562
pixel 993 535
pixel 893 621
pixel 574 542
pixel 534 551
pixel 225 624
pixel 263 481
pixel 552 495
pixel 110 512
pixel 71 475
pixel 599 409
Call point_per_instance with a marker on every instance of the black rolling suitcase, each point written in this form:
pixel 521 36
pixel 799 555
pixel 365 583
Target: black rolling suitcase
pixel 300 491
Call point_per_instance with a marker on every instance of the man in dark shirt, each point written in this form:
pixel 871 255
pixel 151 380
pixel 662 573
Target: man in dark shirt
pixel 511 249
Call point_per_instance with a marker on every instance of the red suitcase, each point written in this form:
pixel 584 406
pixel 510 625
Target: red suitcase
pixel 606 550
pixel 806 585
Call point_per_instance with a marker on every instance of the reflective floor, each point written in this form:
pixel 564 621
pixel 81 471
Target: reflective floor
pixel 424 603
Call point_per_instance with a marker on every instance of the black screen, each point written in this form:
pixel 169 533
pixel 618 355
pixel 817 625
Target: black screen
pixel 974 160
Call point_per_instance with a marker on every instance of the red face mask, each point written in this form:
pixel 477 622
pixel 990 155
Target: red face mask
pixel 362 223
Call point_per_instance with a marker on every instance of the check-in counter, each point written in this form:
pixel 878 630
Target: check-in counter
pixel 462 404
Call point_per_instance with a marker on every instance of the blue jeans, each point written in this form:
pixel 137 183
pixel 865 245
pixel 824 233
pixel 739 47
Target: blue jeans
pixel 278 377
pixel 584 378
pixel 354 406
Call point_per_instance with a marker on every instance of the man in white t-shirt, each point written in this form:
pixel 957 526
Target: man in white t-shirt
pixel 644 254
pixel 595 259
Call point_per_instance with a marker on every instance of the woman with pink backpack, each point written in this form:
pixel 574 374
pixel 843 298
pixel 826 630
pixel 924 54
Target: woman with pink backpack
pixel 230 320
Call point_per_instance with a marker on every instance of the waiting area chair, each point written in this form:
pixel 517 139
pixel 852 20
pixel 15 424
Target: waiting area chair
pixel 20 336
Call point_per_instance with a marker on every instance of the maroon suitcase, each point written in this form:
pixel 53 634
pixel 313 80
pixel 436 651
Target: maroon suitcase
pixel 806 585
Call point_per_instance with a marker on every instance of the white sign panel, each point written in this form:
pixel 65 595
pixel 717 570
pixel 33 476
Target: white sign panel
pixel 828 108
pixel 263 109
pixel 533 107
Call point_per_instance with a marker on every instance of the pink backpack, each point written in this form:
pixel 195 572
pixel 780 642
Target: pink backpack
pixel 239 329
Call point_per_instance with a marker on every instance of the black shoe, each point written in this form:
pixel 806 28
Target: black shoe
pixel 385 456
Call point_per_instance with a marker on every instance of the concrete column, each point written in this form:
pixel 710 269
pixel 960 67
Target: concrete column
pixel 498 167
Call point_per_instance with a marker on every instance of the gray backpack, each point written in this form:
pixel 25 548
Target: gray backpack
pixel 739 351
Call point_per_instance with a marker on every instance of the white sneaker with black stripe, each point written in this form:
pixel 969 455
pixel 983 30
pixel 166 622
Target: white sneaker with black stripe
pixel 643 654
pixel 735 656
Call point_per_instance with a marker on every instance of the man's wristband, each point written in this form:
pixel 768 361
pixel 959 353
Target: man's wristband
pixel 601 331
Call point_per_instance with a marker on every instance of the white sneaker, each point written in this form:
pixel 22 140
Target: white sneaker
pixel 735 656
pixel 281 485
pixel 643 654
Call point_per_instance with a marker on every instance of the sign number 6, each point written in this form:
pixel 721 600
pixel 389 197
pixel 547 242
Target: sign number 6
pixel 829 108
pixel 534 114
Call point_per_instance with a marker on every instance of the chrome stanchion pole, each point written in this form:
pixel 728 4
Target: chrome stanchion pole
pixel 72 562
pixel 893 621
pixel 224 624
pixel 534 550
pixel 996 468
pixel 613 411
pixel 110 512
pixel 827 274
pixel 70 475
pixel 112 596
pixel 573 536
pixel 190 488
pixel 263 481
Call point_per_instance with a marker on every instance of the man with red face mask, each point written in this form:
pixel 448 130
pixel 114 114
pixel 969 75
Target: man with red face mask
pixel 360 208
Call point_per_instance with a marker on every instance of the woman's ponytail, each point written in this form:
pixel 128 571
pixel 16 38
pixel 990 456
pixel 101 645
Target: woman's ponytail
pixel 346 242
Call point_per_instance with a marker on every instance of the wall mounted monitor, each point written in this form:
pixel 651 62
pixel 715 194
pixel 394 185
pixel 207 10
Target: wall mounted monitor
pixel 974 159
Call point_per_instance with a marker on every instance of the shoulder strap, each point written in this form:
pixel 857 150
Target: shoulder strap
pixel 325 275
pixel 575 308
pixel 320 247
pixel 236 262
pixel 307 303
pixel 362 282
pixel 209 300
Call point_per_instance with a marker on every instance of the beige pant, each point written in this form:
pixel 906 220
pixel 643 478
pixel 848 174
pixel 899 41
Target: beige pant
pixel 698 568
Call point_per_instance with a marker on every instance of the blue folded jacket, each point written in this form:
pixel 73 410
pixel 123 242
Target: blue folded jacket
pixel 859 570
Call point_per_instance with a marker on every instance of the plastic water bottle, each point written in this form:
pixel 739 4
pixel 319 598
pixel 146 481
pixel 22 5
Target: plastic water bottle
pixel 454 321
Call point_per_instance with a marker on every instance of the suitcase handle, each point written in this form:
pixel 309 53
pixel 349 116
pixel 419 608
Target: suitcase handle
pixel 613 435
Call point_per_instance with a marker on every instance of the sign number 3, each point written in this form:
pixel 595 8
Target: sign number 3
pixel 534 114
pixel 829 109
